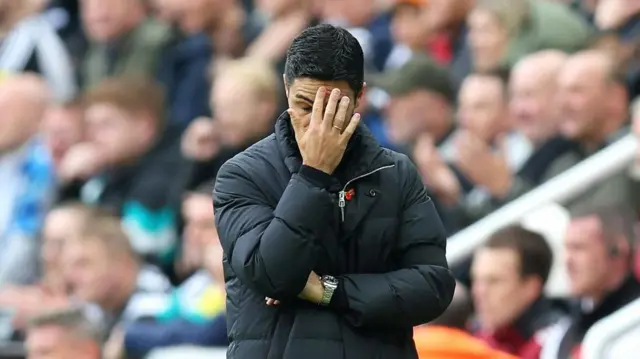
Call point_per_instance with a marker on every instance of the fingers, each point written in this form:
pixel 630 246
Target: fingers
pixel 330 111
pixel 340 118
pixel 271 301
pixel 351 127
pixel 318 105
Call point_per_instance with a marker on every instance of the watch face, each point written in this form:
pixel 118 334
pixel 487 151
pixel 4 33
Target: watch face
pixel 327 279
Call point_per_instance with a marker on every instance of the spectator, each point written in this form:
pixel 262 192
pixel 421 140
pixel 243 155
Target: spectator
pixel 102 269
pixel 503 31
pixel 122 41
pixel 31 44
pixel 62 127
pixel 209 143
pixel 508 277
pixel 446 337
pixel 532 89
pixel 125 163
pixel 224 22
pixel 408 33
pixel 196 316
pixel 26 176
pixel 593 105
pixel 599 245
pixel 63 334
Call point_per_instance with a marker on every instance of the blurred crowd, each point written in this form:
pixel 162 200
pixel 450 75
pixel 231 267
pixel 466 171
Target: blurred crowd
pixel 116 115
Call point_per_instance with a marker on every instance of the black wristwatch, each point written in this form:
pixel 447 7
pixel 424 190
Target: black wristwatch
pixel 330 285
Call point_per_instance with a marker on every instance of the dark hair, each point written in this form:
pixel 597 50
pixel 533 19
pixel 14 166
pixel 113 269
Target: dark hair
pixel 326 53
pixel 502 74
pixel 533 250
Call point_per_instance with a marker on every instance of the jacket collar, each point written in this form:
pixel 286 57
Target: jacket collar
pixel 362 155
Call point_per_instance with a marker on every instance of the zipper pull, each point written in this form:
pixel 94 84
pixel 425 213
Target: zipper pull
pixel 341 203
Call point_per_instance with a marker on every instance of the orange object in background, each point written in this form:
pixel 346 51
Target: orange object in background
pixel 440 342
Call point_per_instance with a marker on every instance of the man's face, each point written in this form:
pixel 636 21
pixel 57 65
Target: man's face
pixel 192 16
pixel 53 342
pixel 406 26
pixel 302 93
pixel 482 107
pixel 586 257
pixel 200 230
pixel 412 114
pixel 62 127
pixel 89 270
pixel 106 20
pixel 59 226
pixel 582 91
pixel 488 40
pixel 529 104
pixel 499 292
pixel 240 124
pixel 118 133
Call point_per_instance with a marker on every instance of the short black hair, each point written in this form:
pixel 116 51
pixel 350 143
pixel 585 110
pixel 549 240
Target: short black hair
pixel 533 250
pixel 327 53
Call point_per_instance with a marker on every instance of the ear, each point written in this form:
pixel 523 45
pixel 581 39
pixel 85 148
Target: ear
pixel 361 95
pixel 286 86
pixel 533 286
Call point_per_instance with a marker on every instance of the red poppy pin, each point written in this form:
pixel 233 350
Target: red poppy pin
pixel 350 194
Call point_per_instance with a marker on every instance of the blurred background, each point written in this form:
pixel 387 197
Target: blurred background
pixel 521 115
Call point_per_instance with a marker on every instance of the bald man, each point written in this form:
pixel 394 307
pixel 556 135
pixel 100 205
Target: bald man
pixel 593 101
pixel 532 88
pixel 26 175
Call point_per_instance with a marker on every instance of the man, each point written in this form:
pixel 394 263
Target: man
pixel 446 337
pixel 126 160
pixel 599 245
pixel 211 142
pixel 63 334
pixel 508 277
pixel 320 218
pixel 124 292
pixel 594 110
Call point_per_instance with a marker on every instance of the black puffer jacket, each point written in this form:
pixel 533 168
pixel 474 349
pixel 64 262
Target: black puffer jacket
pixel 279 220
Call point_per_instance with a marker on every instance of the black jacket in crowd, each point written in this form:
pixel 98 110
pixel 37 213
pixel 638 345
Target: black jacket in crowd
pixel 279 220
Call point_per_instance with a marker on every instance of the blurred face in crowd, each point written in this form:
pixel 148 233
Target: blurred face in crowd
pixel 442 15
pixel 302 93
pixel 482 108
pixel 587 259
pixel 62 127
pixel 108 20
pixel 89 270
pixel 22 100
pixel 241 124
pixel 277 7
pixel 192 16
pixel 583 95
pixel 60 225
pixel 121 135
pixel 200 232
pixel 500 293
pixel 55 342
pixel 532 91
pixel 418 112
pixel 355 13
pixel 407 27
pixel 488 40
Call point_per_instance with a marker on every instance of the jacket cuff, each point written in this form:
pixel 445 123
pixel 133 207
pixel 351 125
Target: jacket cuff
pixel 339 300
pixel 315 176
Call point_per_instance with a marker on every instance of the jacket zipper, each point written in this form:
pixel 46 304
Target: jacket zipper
pixel 341 195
